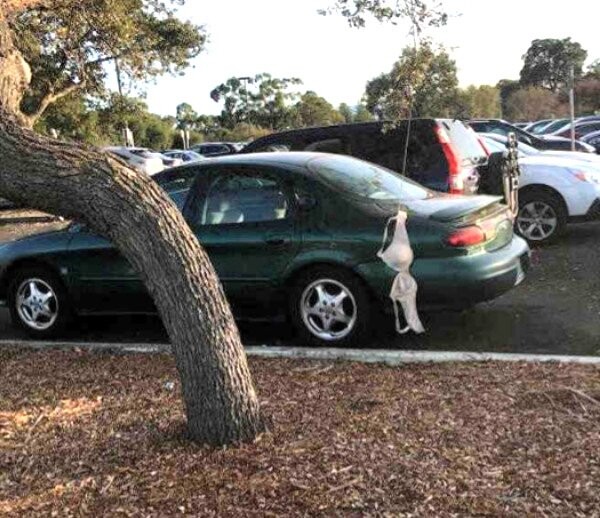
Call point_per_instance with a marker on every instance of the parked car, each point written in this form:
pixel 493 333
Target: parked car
pixel 593 139
pixel 522 125
pixel 209 149
pixel 549 142
pixel 288 233
pixel 441 154
pixel 535 127
pixel 553 191
pixel 582 128
pixel 527 150
pixel 138 158
pixel 553 126
pixel 185 155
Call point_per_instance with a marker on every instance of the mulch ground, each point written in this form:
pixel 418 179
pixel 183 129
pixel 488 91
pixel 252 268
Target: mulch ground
pixel 84 433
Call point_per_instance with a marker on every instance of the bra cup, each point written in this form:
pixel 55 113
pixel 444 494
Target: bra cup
pixel 398 255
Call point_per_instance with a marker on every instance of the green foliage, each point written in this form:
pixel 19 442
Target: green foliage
pixel 423 81
pixel 261 100
pixel 186 117
pixel 346 112
pixel 534 103
pixel 361 114
pixel 548 62
pixel 506 87
pixel 479 102
pixel 68 43
pixel 313 110
pixel 420 13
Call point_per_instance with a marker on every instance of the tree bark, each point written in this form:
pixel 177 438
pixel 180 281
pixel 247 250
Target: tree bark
pixel 136 215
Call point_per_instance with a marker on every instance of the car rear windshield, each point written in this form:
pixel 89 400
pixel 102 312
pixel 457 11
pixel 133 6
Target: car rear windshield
pixel 361 179
pixel 464 140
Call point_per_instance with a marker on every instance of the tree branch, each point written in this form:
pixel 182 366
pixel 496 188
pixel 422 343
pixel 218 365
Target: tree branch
pixel 50 97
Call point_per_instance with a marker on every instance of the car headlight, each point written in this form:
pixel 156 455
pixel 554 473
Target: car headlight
pixel 588 176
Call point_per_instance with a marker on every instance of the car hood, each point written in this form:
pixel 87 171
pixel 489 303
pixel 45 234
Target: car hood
pixel 573 155
pixel 564 161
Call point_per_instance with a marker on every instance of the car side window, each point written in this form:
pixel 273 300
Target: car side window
pixel 241 199
pixel 176 180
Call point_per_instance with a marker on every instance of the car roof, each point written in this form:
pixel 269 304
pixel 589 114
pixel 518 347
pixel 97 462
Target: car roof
pixel 295 159
pixel 343 126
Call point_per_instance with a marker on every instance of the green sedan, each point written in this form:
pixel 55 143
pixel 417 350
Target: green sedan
pixel 290 234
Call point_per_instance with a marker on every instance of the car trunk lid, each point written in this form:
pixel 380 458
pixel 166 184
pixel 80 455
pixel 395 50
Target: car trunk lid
pixel 469 215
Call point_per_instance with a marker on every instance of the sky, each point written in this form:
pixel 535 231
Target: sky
pixel 287 38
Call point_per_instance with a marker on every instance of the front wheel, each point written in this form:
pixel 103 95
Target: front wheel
pixel 38 302
pixel 542 217
pixel 330 307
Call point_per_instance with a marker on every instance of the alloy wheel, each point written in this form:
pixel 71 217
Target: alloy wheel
pixel 537 221
pixel 328 309
pixel 36 304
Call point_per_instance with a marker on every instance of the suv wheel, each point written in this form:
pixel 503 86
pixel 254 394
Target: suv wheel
pixel 38 302
pixel 330 307
pixel 542 217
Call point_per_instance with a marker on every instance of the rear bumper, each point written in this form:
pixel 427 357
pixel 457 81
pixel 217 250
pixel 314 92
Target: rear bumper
pixel 458 281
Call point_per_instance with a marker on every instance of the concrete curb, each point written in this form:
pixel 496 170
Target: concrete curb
pixel 387 357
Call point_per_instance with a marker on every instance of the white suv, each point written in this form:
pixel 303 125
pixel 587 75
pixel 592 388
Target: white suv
pixel 553 191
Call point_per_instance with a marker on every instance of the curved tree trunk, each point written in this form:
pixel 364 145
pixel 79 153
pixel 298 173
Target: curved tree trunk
pixel 136 215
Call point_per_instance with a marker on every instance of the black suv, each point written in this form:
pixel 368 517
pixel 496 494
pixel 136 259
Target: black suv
pixel 441 154
pixel 542 143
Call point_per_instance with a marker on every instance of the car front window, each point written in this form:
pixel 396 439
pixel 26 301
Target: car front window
pixel 361 179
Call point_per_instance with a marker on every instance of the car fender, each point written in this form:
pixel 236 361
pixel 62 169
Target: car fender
pixel 576 195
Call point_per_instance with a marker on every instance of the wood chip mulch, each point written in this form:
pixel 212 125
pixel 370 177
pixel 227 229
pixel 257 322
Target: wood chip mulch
pixel 98 434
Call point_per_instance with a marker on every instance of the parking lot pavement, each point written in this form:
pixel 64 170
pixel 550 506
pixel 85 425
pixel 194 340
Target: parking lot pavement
pixel 556 310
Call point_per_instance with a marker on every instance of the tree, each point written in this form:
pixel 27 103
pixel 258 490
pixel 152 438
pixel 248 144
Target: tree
pixel 422 82
pixel 534 103
pixel 593 71
pixel 548 63
pixel 420 13
pixel 186 117
pixel 313 110
pixel 587 95
pixel 361 114
pixel 346 112
pixel 139 218
pixel 68 44
pixel 480 102
pixel 262 100
pixel 506 88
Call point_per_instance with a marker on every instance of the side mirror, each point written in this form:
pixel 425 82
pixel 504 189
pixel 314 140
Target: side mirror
pixel 305 201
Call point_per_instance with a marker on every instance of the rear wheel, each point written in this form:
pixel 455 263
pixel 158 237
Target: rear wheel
pixel 38 302
pixel 542 216
pixel 330 307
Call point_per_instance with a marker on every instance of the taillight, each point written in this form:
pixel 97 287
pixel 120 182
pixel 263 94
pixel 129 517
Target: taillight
pixel 466 236
pixel 456 183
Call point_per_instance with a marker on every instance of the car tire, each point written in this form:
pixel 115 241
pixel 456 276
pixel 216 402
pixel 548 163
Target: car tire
pixel 542 216
pixel 330 307
pixel 39 303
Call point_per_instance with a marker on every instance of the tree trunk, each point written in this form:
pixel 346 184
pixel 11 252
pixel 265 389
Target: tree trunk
pixel 128 208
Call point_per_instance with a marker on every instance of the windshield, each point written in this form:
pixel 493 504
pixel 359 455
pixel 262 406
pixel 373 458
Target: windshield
pixel 361 179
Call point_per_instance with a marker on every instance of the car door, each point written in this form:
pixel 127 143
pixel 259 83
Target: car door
pixel 103 280
pixel 246 220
